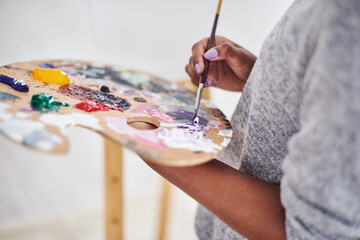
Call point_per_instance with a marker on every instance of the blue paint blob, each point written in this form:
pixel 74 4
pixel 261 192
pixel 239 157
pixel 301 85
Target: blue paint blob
pixel 16 84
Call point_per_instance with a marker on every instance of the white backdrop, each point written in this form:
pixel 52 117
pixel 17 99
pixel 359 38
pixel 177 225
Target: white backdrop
pixel 154 36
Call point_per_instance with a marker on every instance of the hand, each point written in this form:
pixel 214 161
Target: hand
pixel 230 64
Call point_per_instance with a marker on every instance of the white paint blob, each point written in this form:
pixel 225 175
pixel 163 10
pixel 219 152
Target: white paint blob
pixel 162 124
pixel 225 142
pixel 4 115
pixel 29 132
pixel 17 128
pixel 135 78
pixel 23 115
pixel 225 132
pixel 42 139
pixel 33 133
pixel 70 120
pixel 196 121
pixel 185 138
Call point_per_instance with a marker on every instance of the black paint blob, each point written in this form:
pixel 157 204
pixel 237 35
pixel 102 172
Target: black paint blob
pixel 83 93
pixel 105 89
pixel 139 99
pixel 99 73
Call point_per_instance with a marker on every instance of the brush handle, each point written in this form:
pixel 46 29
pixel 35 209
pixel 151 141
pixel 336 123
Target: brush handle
pixel 210 45
pixel 207 64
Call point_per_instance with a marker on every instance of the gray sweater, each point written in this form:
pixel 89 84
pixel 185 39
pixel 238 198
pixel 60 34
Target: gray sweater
pixel 297 123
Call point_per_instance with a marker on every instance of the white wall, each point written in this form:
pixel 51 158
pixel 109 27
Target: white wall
pixel 155 36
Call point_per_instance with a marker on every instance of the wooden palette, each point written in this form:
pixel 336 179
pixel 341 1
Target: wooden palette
pixel 141 96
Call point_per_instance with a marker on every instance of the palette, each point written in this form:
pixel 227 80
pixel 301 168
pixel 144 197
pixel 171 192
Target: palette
pixel 105 98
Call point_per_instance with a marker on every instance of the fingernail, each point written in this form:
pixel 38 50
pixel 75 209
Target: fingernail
pixel 207 83
pixel 211 54
pixel 214 83
pixel 197 68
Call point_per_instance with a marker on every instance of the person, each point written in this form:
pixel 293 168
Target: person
pixel 292 169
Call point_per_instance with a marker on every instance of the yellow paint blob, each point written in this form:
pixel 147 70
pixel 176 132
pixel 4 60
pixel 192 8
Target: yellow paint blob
pixel 52 76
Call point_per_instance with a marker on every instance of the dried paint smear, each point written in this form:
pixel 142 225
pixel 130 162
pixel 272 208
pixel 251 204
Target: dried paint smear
pixel 7 96
pixel 52 76
pixel 28 132
pixel 70 120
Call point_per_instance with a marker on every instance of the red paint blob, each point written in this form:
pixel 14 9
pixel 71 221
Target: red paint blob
pixel 94 107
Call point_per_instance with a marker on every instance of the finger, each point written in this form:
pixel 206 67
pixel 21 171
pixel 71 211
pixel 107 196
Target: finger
pixel 192 70
pixel 195 81
pixel 223 51
pixel 211 78
pixel 192 73
pixel 198 51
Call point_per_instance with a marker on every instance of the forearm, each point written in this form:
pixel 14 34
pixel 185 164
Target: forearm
pixel 248 205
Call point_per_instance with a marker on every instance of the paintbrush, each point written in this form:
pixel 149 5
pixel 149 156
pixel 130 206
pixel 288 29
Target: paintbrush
pixel 207 64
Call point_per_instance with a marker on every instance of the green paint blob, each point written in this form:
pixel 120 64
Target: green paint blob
pixel 45 103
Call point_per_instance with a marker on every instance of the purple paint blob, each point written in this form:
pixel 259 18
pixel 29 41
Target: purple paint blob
pixel 47 65
pixel 144 107
pixel 186 117
pixel 160 115
pixel 191 127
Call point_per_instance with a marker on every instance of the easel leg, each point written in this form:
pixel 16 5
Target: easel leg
pixel 164 210
pixel 113 191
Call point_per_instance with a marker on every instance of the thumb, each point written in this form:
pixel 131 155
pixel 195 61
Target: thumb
pixel 223 51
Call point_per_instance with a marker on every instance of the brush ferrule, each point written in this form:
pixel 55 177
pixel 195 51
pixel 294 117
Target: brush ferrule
pixel 199 95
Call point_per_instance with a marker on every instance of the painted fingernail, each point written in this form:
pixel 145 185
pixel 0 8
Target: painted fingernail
pixel 214 83
pixel 207 83
pixel 197 68
pixel 211 54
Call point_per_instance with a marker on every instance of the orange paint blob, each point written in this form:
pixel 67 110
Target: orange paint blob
pixel 52 76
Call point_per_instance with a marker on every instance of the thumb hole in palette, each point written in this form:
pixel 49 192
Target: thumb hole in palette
pixel 143 123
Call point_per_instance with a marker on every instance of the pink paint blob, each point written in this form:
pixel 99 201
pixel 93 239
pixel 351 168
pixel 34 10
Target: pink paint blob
pixel 156 145
pixel 160 116
pixel 144 107
pixel 119 124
